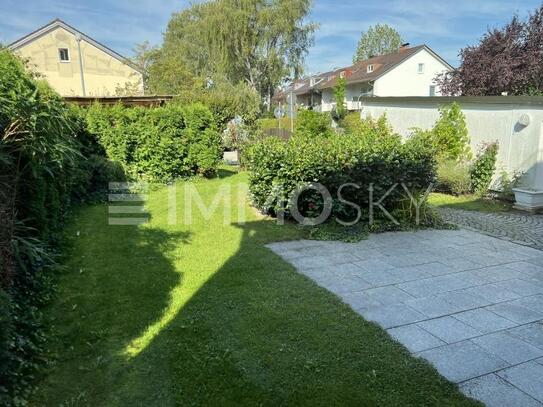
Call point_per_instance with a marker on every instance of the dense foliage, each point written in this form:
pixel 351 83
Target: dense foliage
pixel 310 122
pixel 507 59
pixel 225 101
pixel 340 109
pixel 380 39
pixel 46 162
pixel 449 136
pixel 453 177
pixel 158 144
pixel 256 42
pixel 52 155
pixel 278 168
pixel 483 167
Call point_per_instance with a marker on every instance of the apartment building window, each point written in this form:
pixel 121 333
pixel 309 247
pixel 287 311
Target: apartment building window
pixel 64 55
pixel 432 90
pixel 421 68
pixel 370 68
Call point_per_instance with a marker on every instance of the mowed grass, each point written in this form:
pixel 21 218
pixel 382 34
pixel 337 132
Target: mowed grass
pixel 205 314
pixel 468 203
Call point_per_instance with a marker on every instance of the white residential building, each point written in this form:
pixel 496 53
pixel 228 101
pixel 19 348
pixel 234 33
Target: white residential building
pixel 409 72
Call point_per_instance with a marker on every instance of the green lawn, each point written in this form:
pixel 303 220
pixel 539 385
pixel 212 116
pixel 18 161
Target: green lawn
pixel 204 314
pixel 468 202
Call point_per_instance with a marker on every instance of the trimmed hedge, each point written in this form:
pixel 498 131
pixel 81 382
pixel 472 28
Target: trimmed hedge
pixel 332 161
pixel 158 144
pixel 47 161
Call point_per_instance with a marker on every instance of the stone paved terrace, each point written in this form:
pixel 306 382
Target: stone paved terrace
pixel 469 303
pixel 522 228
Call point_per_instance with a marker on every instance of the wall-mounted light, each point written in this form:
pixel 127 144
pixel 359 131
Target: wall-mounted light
pixel 524 120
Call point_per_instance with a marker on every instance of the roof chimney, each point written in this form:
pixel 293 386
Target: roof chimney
pixel 404 46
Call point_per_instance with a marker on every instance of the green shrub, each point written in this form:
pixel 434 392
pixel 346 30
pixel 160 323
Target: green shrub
pixel 449 136
pixel 340 109
pixel 482 169
pixel 453 177
pixel 158 144
pixel 334 160
pixel 43 151
pixel 226 101
pixel 313 123
pixel 284 123
pixel 353 123
pixel 264 159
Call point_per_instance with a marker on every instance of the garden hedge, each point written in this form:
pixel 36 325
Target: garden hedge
pixel 334 160
pixel 53 155
pixel 47 161
pixel 158 144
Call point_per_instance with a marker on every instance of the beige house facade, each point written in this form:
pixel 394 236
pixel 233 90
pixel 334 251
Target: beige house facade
pixel 76 65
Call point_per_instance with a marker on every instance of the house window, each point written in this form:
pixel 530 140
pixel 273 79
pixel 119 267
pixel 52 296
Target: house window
pixel 370 68
pixel 342 74
pixel 421 68
pixel 432 90
pixel 63 55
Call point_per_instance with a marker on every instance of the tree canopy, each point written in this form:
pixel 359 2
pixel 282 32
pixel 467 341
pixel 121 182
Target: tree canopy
pixel 380 39
pixel 507 59
pixel 258 42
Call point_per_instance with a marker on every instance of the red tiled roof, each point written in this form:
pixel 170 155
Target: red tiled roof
pixel 359 71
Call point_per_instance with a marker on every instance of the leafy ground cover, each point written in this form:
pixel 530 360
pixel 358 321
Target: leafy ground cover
pixel 468 202
pixel 205 314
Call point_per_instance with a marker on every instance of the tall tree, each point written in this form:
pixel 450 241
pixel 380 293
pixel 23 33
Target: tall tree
pixel 380 39
pixel 144 56
pixel 507 59
pixel 259 42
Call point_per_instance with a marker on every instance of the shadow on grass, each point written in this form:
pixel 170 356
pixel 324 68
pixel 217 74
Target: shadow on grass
pixel 225 171
pixel 259 333
pixel 116 282
pixel 256 333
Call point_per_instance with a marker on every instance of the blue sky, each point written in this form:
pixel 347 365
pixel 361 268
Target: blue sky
pixel 120 24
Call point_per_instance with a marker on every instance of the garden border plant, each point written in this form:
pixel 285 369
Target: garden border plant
pixel 349 164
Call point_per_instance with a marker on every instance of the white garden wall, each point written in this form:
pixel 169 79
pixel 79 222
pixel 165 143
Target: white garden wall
pixel 492 118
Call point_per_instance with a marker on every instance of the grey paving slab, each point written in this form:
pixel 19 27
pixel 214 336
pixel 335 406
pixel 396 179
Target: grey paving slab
pixel 458 263
pixel 494 274
pixel 527 377
pixel 523 287
pixel 462 361
pixel 469 303
pixel 433 307
pixel 515 313
pixel 494 293
pixel 463 300
pixel 496 392
pixel 531 333
pixel 389 316
pixel 534 303
pixel 388 295
pixel 449 329
pixel 373 265
pixel 508 347
pixel 434 285
pixel 415 338
pixel 484 321
pixel 359 300
pixel 346 284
